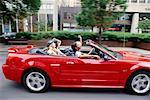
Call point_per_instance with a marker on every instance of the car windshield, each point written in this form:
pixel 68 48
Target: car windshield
pixel 108 50
pixel 115 54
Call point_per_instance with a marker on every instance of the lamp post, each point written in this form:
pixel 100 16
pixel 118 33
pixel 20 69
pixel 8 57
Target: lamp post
pixel 124 39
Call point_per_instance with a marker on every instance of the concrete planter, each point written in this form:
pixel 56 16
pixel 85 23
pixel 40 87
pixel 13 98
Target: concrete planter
pixel 15 41
pixel 143 45
pixel 140 45
pixel 67 42
pixel 38 42
pixel 44 42
pixel 118 43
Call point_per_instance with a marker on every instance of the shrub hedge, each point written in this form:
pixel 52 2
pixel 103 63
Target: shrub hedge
pixel 65 35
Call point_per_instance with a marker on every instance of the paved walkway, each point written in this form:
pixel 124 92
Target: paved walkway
pixel 141 51
pixel 4 48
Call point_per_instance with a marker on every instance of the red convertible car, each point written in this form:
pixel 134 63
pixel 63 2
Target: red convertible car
pixel 38 71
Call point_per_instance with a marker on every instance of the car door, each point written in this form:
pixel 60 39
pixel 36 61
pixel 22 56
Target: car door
pixel 90 72
pixel 100 72
pixel 70 71
pixel 64 70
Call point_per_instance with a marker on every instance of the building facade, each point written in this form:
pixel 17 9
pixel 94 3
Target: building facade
pixel 50 15
pixel 136 11
pixel 68 10
pixel 139 10
pixel 67 18
pixel 60 14
pixel 47 17
pixel 45 20
pixel 71 3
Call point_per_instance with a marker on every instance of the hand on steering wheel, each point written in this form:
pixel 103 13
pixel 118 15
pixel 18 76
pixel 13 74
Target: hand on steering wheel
pixel 92 50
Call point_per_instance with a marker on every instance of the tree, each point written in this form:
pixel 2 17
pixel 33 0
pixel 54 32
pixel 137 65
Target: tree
pixel 144 25
pixel 9 9
pixel 100 13
pixel 32 5
pixel 85 19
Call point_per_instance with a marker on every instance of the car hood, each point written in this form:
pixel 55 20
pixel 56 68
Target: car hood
pixel 130 55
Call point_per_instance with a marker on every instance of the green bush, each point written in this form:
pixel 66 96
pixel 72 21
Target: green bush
pixel 65 35
pixel 24 35
pixel 120 36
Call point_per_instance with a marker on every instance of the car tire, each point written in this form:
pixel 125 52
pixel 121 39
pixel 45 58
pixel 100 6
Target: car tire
pixel 36 81
pixel 139 83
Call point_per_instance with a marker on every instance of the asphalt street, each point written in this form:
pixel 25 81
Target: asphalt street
pixel 10 90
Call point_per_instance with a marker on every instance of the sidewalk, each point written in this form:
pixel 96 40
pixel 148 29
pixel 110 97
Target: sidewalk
pixel 4 48
pixel 141 51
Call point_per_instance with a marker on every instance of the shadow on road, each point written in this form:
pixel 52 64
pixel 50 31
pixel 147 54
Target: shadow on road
pixel 16 86
pixel 15 91
pixel 86 90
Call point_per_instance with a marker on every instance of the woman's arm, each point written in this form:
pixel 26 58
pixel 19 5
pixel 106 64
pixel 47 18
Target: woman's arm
pixel 80 37
pixel 59 52
pixel 58 42
pixel 84 56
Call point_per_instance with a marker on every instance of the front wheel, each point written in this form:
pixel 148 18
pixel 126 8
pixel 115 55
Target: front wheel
pixel 139 83
pixel 36 81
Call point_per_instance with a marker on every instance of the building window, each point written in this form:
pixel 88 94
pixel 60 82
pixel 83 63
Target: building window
pixel 134 1
pixel 126 1
pixel 68 16
pixel 65 15
pixel 49 22
pixel 47 6
pixel 141 1
pixel 35 23
pixel 41 23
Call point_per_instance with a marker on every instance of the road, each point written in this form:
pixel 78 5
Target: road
pixel 12 91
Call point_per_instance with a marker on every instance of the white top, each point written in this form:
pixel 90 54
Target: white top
pixel 78 53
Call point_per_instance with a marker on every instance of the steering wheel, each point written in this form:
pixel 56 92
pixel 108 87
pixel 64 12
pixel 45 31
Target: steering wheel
pixel 92 51
pixel 101 54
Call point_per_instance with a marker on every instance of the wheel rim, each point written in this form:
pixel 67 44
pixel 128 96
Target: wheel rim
pixel 141 83
pixel 35 81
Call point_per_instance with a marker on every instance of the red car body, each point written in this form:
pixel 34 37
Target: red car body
pixel 75 72
pixel 135 56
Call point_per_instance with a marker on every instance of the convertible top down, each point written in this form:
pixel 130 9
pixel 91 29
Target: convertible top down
pixel 37 71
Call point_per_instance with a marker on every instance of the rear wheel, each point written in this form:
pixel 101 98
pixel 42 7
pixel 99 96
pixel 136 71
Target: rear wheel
pixel 36 81
pixel 139 83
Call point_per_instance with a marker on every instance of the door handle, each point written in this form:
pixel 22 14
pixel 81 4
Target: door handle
pixel 71 63
pixel 54 65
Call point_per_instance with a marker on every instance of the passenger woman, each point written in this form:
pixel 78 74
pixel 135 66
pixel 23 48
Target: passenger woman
pixel 53 47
